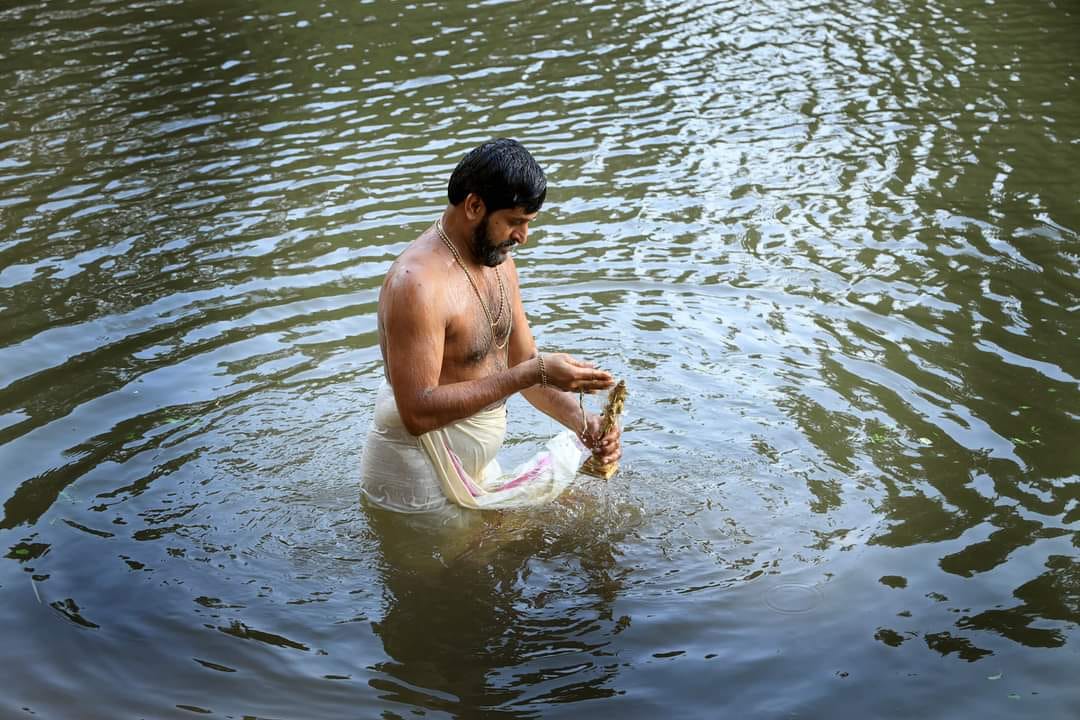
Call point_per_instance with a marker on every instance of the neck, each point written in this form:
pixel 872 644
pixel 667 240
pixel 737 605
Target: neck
pixel 454 232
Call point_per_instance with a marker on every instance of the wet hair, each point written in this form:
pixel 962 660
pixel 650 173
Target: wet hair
pixel 503 174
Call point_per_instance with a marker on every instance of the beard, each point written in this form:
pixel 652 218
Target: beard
pixel 484 250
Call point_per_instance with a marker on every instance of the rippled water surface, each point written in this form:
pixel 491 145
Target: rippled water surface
pixel 833 248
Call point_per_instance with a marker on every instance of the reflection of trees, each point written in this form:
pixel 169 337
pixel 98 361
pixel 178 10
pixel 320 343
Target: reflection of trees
pixel 967 338
pixel 1013 532
pixel 955 508
pixel 945 491
pixel 1053 595
pixel 479 620
pixel 1005 312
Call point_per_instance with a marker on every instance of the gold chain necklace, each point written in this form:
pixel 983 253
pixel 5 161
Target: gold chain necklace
pixel 492 321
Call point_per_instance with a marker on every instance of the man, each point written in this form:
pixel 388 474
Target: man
pixel 456 344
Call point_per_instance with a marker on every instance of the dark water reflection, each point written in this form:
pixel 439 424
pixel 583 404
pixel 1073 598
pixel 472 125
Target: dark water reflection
pixel 833 248
pixel 502 620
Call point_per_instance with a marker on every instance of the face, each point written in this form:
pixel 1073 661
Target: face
pixel 498 232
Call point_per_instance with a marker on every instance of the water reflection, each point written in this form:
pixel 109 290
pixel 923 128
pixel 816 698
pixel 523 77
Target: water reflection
pixel 833 249
pixel 466 609
pixel 1051 595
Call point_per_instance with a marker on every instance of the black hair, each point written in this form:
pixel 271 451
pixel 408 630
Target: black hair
pixel 503 174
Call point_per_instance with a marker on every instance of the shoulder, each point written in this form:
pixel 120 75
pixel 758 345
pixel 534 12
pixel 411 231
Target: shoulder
pixel 419 272
pixel 509 269
pixel 420 266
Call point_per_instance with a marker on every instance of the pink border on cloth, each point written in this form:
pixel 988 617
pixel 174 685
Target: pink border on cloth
pixel 530 474
pixel 527 476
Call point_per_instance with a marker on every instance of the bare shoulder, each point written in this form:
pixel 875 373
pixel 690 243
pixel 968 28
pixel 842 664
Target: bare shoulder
pixel 510 269
pixel 417 274
pixel 416 282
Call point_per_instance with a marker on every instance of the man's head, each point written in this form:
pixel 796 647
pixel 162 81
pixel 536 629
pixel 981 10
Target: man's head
pixel 503 174
pixel 501 188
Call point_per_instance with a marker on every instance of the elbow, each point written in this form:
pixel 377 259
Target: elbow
pixel 413 413
pixel 416 425
pixel 414 429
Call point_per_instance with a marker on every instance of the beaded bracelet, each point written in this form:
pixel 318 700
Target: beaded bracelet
pixel 543 371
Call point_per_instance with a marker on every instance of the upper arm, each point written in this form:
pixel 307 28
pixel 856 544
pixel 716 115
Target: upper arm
pixel 414 325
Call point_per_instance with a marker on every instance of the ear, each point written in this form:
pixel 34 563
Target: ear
pixel 474 207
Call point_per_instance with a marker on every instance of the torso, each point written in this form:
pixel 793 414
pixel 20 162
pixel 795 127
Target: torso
pixel 468 350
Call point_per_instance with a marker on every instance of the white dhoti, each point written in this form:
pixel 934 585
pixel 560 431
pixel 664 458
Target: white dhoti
pixel 456 465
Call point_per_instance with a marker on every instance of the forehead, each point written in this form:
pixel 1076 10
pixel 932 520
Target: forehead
pixel 514 215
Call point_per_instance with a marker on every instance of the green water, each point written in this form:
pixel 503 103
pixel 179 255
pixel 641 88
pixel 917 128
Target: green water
pixel 833 249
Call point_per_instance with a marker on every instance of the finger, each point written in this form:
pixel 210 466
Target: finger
pixel 608 458
pixel 604 448
pixel 609 442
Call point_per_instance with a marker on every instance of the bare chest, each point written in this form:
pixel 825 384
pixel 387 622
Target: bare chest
pixel 477 337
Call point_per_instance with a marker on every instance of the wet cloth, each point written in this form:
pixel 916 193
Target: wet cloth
pixel 456 465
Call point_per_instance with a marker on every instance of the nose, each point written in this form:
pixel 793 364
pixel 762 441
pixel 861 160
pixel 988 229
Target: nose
pixel 520 235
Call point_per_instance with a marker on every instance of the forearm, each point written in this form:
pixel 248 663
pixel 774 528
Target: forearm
pixel 564 407
pixel 441 405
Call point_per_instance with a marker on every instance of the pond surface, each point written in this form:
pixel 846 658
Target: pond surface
pixel 833 248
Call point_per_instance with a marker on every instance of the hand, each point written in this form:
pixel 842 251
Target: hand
pixel 606 448
pixel 572 375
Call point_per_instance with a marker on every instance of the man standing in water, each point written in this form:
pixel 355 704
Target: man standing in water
pixel 456 344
